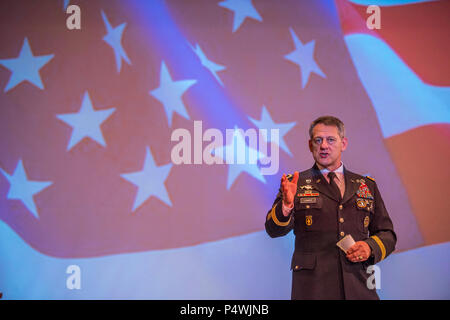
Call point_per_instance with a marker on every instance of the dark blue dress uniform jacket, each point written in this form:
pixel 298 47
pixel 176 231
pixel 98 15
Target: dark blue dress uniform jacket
pixel 320 270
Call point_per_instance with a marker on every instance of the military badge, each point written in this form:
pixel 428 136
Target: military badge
pixel 366 221
pixel 361 203
pixel 307 191
pixel 308 220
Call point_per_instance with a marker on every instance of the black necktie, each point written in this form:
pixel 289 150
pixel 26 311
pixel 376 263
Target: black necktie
pixel 334 186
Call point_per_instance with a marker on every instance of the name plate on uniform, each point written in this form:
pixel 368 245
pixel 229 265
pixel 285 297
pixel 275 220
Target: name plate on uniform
pixel 308 200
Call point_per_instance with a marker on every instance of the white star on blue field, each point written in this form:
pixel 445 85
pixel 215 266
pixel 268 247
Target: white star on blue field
pixel 86 122
pixel 242 9
pixel 266 122
pixel 169 93
pixel 23 189
pixel 208 64
pixel 114 39
pixel 150 181
pixel 25 67
pixel 303 56
pixel 235 169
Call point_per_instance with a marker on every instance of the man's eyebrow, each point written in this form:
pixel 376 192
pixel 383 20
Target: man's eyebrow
pixel 324 137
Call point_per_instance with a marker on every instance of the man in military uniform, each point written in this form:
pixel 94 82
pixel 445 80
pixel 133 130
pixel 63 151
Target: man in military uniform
pixel 323 205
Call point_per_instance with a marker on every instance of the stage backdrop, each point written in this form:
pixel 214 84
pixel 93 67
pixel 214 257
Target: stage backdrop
pixel 92 203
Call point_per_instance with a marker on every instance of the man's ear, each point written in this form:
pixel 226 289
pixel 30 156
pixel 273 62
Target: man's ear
pixel 310 145
pixel 344 143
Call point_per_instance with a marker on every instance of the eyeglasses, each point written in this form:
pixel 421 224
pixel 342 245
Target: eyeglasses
pixel 330 140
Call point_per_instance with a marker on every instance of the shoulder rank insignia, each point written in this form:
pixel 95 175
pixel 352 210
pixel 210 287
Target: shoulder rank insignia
pixel 370 178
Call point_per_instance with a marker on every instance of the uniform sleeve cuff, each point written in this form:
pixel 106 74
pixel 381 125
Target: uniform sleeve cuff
pixel 278 217
pixel 377 247
pixel 285 209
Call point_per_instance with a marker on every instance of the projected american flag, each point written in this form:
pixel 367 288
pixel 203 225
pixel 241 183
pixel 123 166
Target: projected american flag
pixel 86 117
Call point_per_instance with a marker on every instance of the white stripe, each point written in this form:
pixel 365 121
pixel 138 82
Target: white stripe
pixel 253 266
pixel 236 268
pixel 402 101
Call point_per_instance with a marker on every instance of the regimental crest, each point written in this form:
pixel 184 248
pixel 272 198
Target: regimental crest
pixel 366 221
pixel 308 220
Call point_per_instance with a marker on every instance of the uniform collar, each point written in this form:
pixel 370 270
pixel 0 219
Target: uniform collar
pixel 325 171
pixel 319 182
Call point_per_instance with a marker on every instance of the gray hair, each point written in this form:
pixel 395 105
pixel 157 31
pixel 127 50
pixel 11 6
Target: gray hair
pixel 328 121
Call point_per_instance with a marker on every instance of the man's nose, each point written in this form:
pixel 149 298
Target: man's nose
pixel 324 144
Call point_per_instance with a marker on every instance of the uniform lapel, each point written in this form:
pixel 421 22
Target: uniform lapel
pixel 351 185
pixel 320 183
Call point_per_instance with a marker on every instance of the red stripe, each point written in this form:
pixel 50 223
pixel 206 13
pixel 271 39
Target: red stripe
pixel 417 32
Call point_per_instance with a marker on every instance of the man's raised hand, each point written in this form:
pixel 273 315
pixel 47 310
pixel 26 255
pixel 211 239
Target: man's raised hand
pixel 288 189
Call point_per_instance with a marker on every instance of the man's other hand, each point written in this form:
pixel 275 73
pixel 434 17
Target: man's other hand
pixel 359 252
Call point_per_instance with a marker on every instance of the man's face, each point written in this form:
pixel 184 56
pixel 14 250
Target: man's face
pixel 326 146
